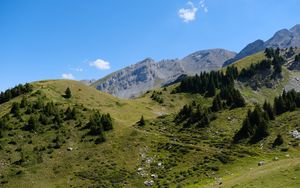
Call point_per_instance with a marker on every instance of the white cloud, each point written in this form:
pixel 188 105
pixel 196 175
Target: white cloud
pixel 68 76
pixel 203 6
pixel 100 64
pixel 188 14
pixel 78 70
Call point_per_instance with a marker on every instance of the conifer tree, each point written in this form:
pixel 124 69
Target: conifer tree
pixel 32 124
pixel 211 89
pixel 68 93
pixel 15 109
pixel 217 104
pixel 106 122
pixel 24 102
pixel 269 110
pixel 142 121
pixel 278 141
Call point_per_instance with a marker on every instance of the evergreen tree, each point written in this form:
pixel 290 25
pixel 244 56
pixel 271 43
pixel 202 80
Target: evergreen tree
pixel 95 124
pixel 261 131
pixel 3 125
pixel 211 89
pixel 68 93
pixel 24 102
pixel 245 132
pixel 142 121
pixel 39 104
pixel 101 138
pixel 71 113
pixel 269 110
pixel 185 112
pixel 15 109
pixel 50 109
pixel 57 119
pixel 255 126
pixel 106 122
pixel 32 124
pixel 43 119
pixel 217 104
pixel 269 52
pixel 278 141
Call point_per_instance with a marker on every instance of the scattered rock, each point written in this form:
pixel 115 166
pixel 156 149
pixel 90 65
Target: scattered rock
pixel 275 159
pixel 148 183
pixel 159 164
pixel 140 169
pixel 261 163
pixel 70 149
pixel 295 134
pixel 154 176
pixel 287 155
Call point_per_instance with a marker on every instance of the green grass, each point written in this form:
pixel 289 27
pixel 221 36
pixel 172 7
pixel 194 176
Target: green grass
pixel 190 157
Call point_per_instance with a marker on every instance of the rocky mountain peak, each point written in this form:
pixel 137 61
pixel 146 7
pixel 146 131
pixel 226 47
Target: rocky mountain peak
pixel 148 74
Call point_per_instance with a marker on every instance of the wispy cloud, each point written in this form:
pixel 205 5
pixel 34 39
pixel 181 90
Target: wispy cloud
pixel 78 69
pixel 100 64
pixel 203 6
pixel 188 14
pixel 68 76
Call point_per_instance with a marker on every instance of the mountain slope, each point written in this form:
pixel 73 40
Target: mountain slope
pixel 162 150
pixel 148 74
pixel 281 39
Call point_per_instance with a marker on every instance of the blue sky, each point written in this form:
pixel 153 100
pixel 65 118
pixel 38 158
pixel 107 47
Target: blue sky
pixel 80 39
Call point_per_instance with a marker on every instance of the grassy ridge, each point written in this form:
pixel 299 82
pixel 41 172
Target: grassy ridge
pixel 178 157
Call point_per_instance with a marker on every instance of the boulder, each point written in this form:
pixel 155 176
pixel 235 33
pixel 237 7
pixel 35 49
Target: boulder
pixel 261 163
pixel 148 183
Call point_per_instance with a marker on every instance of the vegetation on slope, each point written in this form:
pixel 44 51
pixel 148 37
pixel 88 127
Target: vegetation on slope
pixel 182 138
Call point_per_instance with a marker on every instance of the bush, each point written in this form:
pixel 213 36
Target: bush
pixel 278 141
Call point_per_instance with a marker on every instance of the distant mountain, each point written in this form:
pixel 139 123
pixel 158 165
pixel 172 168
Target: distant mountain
pixel 282 39
pixel 148 74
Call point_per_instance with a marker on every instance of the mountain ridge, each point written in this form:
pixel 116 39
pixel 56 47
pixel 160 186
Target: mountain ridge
pixel 283 38
pixel 147 74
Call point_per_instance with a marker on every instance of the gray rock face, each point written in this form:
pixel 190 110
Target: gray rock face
pixel 282 39
pixel 148 74
pixel 251 48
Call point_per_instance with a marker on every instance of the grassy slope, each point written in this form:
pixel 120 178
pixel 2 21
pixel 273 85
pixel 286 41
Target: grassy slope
pixel 58 168
pixel 128 147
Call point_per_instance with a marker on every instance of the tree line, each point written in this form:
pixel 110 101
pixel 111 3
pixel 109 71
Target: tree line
pixel 36 114
pixel 14 92
pixel 207 83
pixel 274 59
pixel 255 126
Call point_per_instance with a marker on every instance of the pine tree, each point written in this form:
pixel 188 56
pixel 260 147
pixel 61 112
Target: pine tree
pixel 24 102
pixel 71 113
pixel 211 89
pixel 278 141
pixel 142 121
pixel 217 104
pixel 106 122
pixel 43 119
pixel 255 126
pixel 269 110
pixel 95 124
pixel 245 132
pixel 32 124
pixel 15 109
pixel 68 93
pixel 261 132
